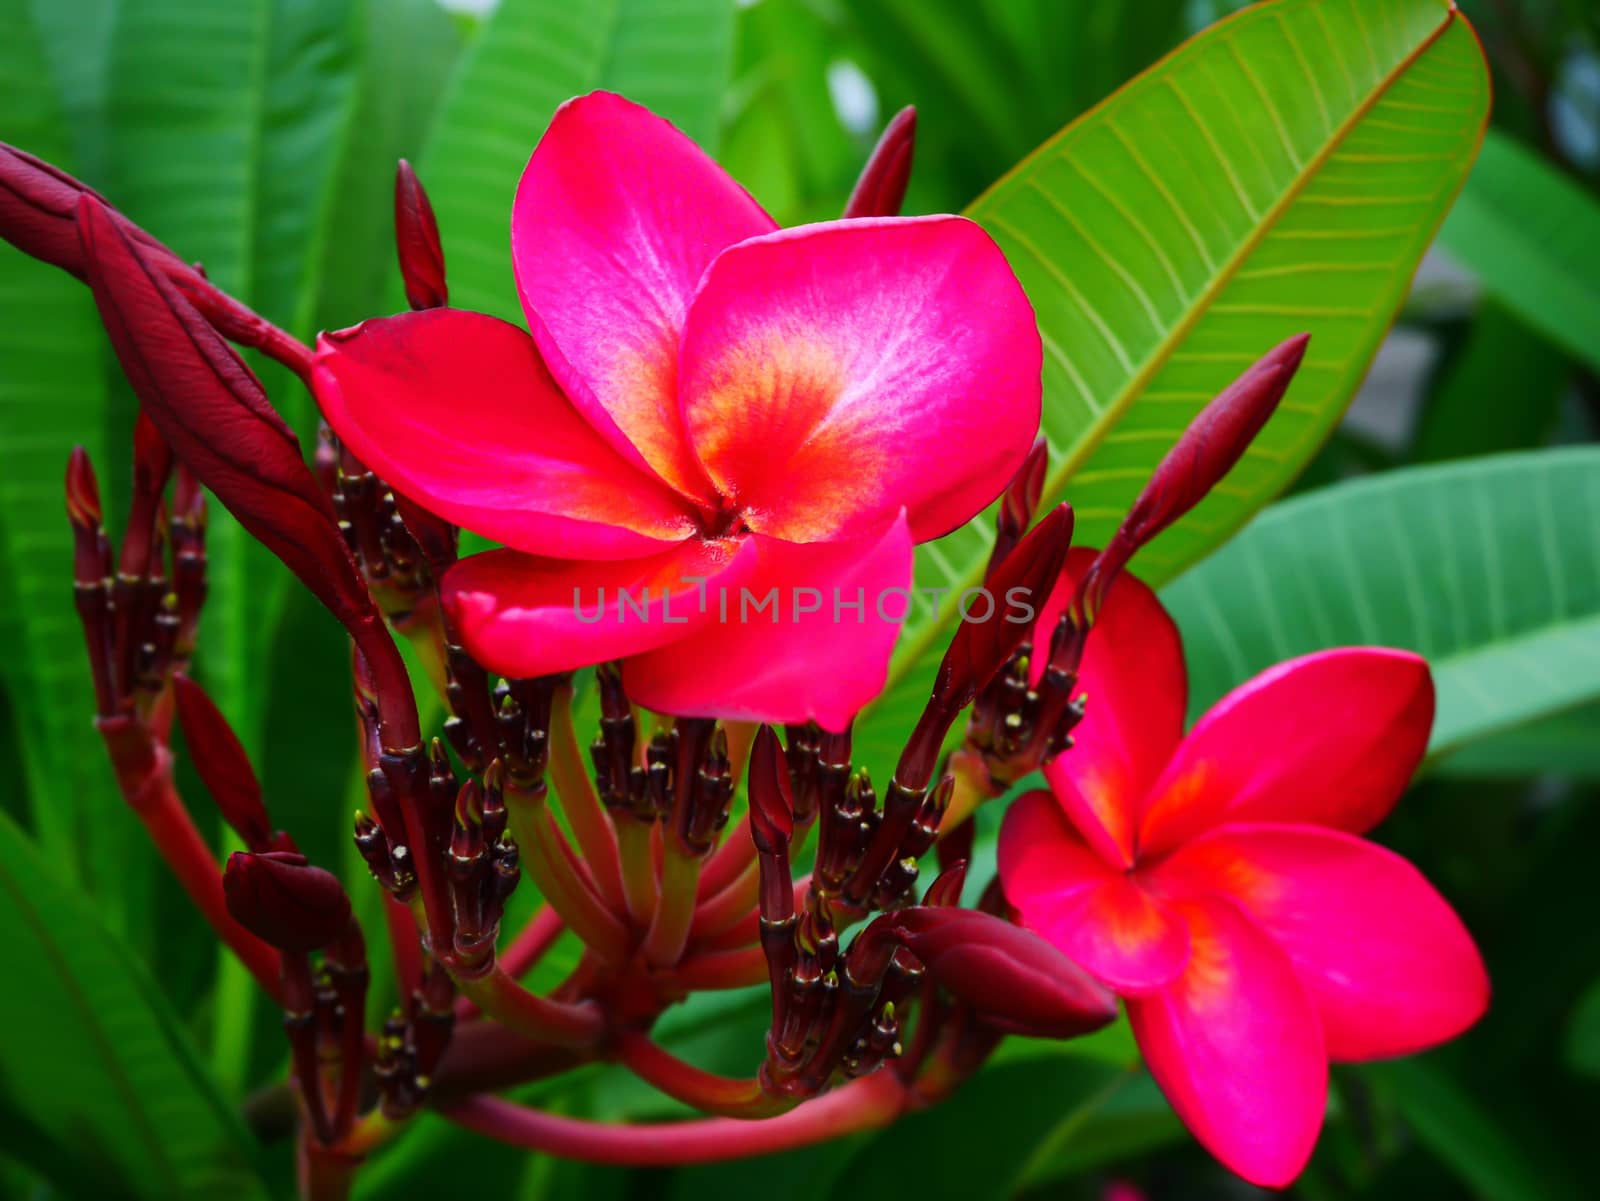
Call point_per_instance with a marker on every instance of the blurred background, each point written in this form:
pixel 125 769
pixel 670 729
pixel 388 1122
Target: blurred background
pixel 267 151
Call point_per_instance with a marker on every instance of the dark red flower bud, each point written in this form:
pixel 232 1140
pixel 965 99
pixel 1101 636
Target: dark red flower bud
pixel 39 215
pixel 771 801
pixel 946 890
pixel 882 187
pixel 222 764
pixel 152 466
pixel 1214 442
pixel 417 239
pixel 1019 502
pixel 993 628
pixel 284 901
pixel 1016 980
pixel 215 416
pixel 83 492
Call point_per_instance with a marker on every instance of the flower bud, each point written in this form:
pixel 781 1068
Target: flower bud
pixel 1214 442
pixel 1019 502
pixel 881 189
pixel 417 240
pixel 284 901
pixel 222 764
pixel 771 803
pixel 213 413
pixel 38 214
pixel 981 648
pixel 1016 980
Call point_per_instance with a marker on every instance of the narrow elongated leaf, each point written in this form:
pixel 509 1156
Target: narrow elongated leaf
pixel 52 394
pixel 1489 567
pixel 99 1089
pixel 1533 237
pixel 1281 172
pixel 671 55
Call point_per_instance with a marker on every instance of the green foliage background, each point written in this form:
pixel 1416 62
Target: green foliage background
pixel 1457 511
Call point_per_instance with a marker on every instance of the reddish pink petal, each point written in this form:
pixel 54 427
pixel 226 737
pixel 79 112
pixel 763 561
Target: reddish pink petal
pixel 1096 916
pixel 455 410
pixel 522 615
pixel 617 216
pixel 1327 740
pixel 1042 856
pixel 1134 680
pixel 1234 1043
pixel 834 374
pixel 1385 960
pixel 789 661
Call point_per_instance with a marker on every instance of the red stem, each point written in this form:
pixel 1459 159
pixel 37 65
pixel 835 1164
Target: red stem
pixel 537 937
pixel 705 1091
pixel 191 860
pixel 722 969
pixel 406 946
pixel 721 912
pixel 863 1105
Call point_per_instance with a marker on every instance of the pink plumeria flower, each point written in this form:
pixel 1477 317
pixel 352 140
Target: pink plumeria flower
pixel 708 407
pixel 1217 882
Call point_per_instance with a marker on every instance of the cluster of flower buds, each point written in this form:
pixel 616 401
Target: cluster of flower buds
pixel 1024 717
pixel 643 869
pixel 139 608
pixel 838 1013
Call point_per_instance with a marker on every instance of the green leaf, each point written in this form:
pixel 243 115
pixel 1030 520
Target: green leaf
pixel 1283 171
pixel 99 1088
pixel 1468 412
pixel 1533 237
pixel 1489 567
pixel 671 55
pixel 52 395
pixel 934 1150
pixel 993 78
pixel 1583 1034
pixel 785 141
pixel 184 107
pixel 409 50
pixel 1566 743
pixel 1466 1139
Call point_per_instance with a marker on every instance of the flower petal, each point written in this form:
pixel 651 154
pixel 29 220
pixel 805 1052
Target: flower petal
pixel 1385 960
pixel 1096 916
pixel 1136 688
pixel 455 410
pixel 522 615
pixel 1330 739
pixel 617 216
pixel 788 661
pixel 833 374
pixel 1234 1044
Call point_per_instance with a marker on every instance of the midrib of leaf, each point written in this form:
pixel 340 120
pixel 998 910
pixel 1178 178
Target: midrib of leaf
pixel 917 644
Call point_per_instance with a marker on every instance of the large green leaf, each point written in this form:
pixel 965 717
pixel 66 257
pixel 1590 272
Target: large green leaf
pixel 993 78
pixel 99 1089
pixel 1533 237
pixel 1489 567
pixel 52 395
pixel 1283 171
pixel 670 55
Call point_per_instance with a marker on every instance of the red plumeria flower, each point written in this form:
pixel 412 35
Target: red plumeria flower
pixel 1217 882
pixel 703 398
